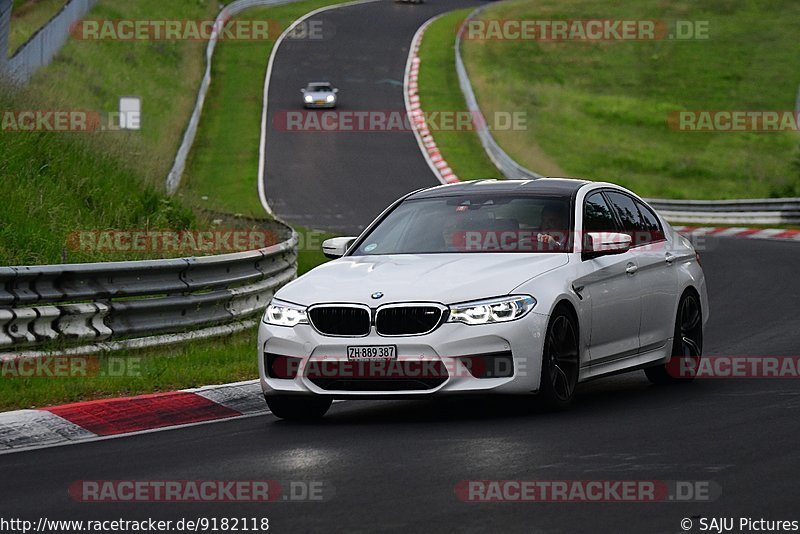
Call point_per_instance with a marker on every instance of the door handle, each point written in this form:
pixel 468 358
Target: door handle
pixel 631 268
pixel 669 258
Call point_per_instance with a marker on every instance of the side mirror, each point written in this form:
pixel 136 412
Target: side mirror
pixel 335 90
pixel 302 90
pixel 336 247
pixel 606 243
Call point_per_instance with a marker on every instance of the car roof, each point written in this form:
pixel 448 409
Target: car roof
pixel 543 186
pixel 318 83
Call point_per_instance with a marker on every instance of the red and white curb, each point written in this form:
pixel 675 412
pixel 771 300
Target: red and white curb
pixel 748 233
pixel 107 418
pixel 419 125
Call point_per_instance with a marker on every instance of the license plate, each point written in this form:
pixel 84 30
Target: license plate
pixel 374 352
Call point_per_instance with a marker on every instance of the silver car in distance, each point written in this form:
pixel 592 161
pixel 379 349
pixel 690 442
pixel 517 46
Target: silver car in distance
pixel 319 95
pixel 501 287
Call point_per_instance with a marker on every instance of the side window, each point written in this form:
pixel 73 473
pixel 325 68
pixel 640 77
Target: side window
pixel 651 222
pixel 628 213
pixel 597 215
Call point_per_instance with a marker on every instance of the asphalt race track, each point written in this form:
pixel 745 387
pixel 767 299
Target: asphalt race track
pixel 340 181
pixel 394 464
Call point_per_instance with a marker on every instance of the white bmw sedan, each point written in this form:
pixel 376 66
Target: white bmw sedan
pixel 503 287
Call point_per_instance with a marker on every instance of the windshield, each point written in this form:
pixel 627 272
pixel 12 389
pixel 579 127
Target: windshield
pixel 319 88
pixel 472 223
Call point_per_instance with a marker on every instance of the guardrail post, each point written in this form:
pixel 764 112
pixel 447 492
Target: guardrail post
pixel 6 316
pixel 20 326
pixel 7 277
pixel 44 322
pixel 84 321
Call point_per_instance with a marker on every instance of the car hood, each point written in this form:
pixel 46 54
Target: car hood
pixel 445 278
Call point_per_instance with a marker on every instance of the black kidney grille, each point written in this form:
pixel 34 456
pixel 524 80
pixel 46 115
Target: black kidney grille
pixel 340 320
pixel 407 320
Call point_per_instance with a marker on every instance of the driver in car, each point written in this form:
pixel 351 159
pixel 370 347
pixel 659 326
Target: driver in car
pixel 453 230
pixel 553 228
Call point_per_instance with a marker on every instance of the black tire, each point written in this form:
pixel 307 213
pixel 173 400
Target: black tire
pixel 294 407
pixel 560 360
pixel 687 344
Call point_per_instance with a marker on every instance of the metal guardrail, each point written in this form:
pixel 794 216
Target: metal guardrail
pixel 99 301
pixel 179 164
pixel 747 211
pixel 505 163
pixel 43 45
pixel 5 29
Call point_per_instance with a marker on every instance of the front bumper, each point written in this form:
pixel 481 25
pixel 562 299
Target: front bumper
pixel 445 348
pixel 320 105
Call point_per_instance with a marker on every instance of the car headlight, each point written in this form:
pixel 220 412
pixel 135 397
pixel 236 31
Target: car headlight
pixel 330 98
pixel 309 99
pixel 280 313
pixel 488 311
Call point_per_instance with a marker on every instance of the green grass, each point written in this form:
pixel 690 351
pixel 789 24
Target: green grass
pixel 439 91
pixel 57 183
pixel 310 249
pixel 192 364
pixel 93 74
pixel 223 165
pixel 27 16
pixel 599 109
pixel 60 183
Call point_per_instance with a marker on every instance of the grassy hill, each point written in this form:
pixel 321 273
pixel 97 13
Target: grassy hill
pixel 599 109
pixel 57 183
pixel 27 16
